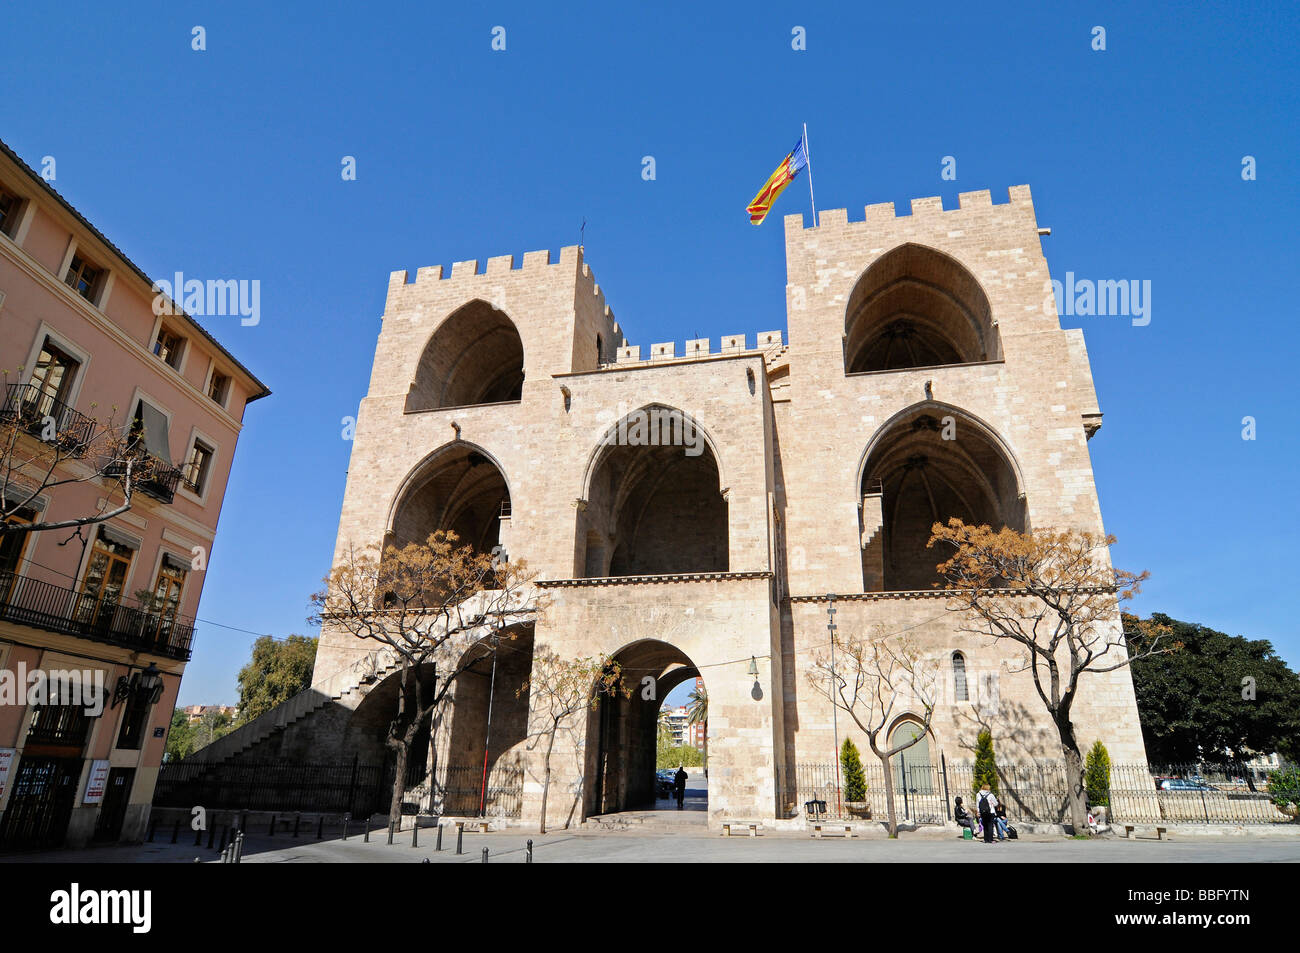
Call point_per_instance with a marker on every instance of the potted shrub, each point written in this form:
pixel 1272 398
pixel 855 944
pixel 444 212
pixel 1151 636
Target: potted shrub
pixel 855 781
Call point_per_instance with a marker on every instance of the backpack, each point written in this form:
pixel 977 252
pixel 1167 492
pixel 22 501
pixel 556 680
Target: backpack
pixel 983 807
pixel 1011 833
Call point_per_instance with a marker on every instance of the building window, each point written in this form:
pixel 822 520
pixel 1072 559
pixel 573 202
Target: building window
pixel 51 381
pixel 83 278
pixel 196 468
pixel 134 720
pixel 105 580
pixel 12 545
pixel 168 346
pixel 10 206
pixel 960 692
pixel 64 725
pixel 219 388
pixel 167 592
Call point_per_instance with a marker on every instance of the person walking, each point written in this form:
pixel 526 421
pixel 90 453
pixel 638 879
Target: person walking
pixel 679 786
pixel 987 803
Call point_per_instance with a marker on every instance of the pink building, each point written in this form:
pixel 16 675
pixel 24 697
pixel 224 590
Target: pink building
pixel 89 362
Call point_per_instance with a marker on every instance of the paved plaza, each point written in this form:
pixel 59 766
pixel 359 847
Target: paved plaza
pixel 687 845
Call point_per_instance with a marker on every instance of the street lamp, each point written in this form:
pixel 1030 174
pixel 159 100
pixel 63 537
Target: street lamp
pixel 146 684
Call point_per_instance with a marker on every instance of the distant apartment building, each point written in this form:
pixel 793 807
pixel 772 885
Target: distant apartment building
pixel 88 361
pixel 194 713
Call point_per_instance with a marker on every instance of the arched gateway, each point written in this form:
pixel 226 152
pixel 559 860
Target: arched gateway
pixel 622 728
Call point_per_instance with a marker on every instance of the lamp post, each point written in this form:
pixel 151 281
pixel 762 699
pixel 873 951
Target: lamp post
pixel 835 720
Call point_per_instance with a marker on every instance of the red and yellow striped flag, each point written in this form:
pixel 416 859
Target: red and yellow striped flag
pixel 790 167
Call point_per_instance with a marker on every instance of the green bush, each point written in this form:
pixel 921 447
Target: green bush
pixel 1284 790
pixel 986 767
pixel 855 778
pixel 1096 775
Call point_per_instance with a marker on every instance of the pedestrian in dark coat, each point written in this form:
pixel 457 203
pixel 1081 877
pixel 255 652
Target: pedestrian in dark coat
pixel 987 802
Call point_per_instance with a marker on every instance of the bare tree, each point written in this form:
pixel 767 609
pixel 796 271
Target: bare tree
pixel 559 688
pixel 875 680
pixel 427 604
pixel 1054 594
pixel 45 445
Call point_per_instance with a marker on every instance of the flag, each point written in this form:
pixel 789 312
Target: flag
pixel 790 166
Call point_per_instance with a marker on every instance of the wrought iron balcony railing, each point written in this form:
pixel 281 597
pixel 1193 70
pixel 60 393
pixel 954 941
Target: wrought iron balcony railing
pixel 36 412
pixel 27 601
pixel 160 478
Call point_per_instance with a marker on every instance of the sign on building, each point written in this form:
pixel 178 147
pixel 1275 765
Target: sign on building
pixel 6 762
pixel 98 779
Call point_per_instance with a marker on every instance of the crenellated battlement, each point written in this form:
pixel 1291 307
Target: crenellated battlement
pixel 1019 202
pixel 697 348
pixel 466 279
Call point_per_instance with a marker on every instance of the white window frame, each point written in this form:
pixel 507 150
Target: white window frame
pixel 199 435
pixel 64 343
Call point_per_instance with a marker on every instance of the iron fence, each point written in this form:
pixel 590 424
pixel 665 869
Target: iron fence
pixel 1037 792
pixel 463 792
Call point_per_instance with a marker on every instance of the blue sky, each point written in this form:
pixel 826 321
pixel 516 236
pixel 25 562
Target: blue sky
pixel 226 163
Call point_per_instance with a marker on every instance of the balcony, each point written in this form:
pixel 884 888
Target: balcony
pixel 29 408
pixel 154 477
pixel 39 604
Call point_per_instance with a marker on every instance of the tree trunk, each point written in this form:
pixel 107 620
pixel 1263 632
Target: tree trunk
pixel 546 777
pixel 889 797
pixel 1073 776
pixel 399 784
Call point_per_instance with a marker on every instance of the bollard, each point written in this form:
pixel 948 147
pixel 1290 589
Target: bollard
pixel 239 847
pixel 346 818
pixel 271 832
pixel 460 836
pixel 176 829
pixel 485 860
pixel 370 819
pixel 225 855
pixel 297 819
pixel 528 858
pixel 415 833
pixel 439 847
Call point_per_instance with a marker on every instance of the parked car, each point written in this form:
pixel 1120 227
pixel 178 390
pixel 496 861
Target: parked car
pixel 664 782
pixel 1182 784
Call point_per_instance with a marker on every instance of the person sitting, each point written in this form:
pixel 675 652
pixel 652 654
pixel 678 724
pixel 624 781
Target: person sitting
pixel 1000 815
pixel 963 817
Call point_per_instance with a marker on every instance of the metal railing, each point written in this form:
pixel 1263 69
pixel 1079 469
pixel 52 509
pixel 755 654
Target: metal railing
pixel 460 792
pixel 29 407
pixel 1037 792
pixel 40 604
pixel 160 477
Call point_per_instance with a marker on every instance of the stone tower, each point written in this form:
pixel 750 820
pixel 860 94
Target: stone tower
pixel 688 513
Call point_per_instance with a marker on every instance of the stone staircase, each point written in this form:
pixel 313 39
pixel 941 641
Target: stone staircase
pixel 649 822
pixel 347 686
pixel 340 687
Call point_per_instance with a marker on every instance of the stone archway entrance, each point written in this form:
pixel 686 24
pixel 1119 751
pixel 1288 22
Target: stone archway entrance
pixel 622 732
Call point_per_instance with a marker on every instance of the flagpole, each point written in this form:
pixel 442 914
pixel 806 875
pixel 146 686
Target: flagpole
pixel 807 155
